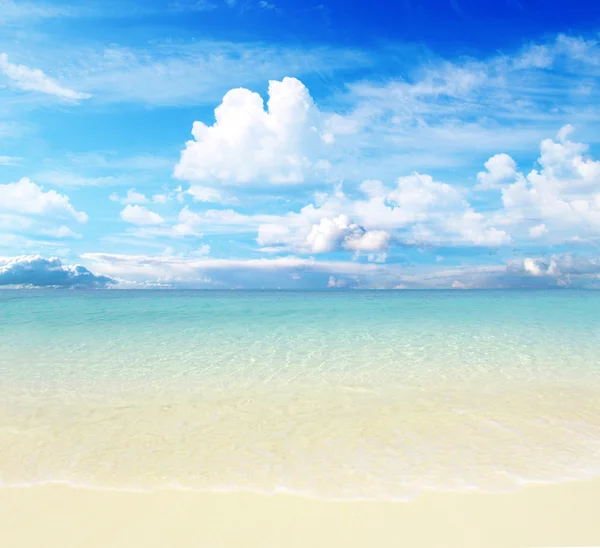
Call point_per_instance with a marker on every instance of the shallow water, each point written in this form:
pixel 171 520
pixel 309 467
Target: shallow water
pixel 329 394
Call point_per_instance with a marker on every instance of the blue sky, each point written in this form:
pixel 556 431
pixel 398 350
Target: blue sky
pixel 223 144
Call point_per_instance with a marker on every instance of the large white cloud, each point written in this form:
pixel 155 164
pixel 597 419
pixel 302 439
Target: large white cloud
pixel 30 79
pixel 34 270
pixel 248 144
pixel 561 199
pixel 329 234
pixel 418 210
pixel 27 198
pixel 415 198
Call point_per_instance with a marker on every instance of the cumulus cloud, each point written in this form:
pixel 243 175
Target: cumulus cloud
pixel 330 234
pixel 327 235
pixel 418 210
pixel 333 282
pixel 30 79
pixel 415 198
pixel 561 197
pixel 471 227
pixel 140 216
pixel 501 168
pixel 560 270
pixel 26 197
pixel 37 271
pixel 248 144
pixel 372 240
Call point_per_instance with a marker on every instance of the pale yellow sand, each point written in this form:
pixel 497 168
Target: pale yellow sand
pixel 566 514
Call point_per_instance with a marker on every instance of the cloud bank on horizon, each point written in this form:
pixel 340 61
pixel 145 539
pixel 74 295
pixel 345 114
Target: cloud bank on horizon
pixel 313 166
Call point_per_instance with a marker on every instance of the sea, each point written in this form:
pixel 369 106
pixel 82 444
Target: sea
pixel 376 395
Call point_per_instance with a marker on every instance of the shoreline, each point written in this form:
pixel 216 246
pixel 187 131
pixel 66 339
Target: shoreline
pixel 538 515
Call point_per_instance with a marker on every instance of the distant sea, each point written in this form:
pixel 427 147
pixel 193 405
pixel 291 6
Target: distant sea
pixel 341 395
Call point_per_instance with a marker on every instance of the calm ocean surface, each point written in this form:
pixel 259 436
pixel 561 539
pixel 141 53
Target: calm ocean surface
pixel 330 394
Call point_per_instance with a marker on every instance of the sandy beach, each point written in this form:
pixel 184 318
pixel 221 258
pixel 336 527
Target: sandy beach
pixel 564 514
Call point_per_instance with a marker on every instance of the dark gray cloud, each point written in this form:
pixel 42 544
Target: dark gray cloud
pixel 37 271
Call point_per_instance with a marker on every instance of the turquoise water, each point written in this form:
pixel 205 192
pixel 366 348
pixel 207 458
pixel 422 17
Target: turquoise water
pixel 332 394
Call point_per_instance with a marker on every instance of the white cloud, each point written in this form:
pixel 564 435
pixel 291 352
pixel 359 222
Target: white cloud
pixel 174 73
pixel 538 231
pixel 188 224
pixel 203 250
pixel 160 198
pixel 535 267
pixel 555 271
pixel 176 194
pixel 266 5
pixel 336 283
pixel 501 168
pixel 12 11
pixel 133 197
pixel 373 240
pixel 140 216
pixel 28 198
pixel 34 270
pixel 377 257
pixel 190 269
pixel 9 160
pixel 327 235
pixel 248 144
pixel 560 270
pixel 14 222
pixel 29 79
pixel 330 234
pixel 442 114
pixel 563 193
pixel 471 227
pixel 273 234
pixel 416 198
pixel 419 210
pixel 206 194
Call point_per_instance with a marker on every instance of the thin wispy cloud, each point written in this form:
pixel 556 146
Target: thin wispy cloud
pixel 32 79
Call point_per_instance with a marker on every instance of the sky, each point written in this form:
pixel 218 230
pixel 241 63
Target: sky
pixel 294 145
